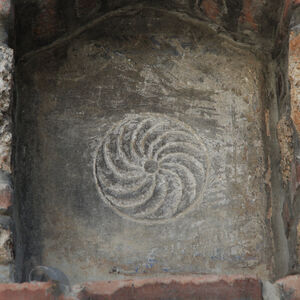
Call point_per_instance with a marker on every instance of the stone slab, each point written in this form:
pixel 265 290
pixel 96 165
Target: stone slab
pixel 140 153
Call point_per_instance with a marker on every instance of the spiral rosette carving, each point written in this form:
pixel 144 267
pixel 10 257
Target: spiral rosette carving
pixel 151 168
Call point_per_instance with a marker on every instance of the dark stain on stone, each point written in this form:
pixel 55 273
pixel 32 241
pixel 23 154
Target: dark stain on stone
pixel 234 8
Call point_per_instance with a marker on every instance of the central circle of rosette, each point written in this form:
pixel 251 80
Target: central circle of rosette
pixel 151 167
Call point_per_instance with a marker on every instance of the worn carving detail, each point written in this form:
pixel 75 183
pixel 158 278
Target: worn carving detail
pixel 151 167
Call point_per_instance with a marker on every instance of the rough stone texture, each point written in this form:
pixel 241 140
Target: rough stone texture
pixel 180 288
pixel 291 287
pixel 294 76
pixel 5 246
pixel 6 67
pixel 5 241
pixel 285 137
pixel 5 193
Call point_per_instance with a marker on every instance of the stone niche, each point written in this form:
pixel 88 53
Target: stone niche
pixel 140 153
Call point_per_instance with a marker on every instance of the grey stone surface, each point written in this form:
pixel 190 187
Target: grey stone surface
pixel 140 153
pixel 5 242
pixel 271 291
pixel 5 179
pixel 5 273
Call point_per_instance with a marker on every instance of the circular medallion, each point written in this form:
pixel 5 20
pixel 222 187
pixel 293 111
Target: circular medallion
pixel 151 168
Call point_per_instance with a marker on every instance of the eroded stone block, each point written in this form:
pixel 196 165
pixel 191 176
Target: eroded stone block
pixel 5 242
pixel 6 69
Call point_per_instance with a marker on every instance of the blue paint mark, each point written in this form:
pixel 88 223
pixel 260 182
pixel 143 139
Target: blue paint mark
pixel 149 266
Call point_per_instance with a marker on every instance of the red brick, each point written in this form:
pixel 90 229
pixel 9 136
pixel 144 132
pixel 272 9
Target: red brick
pixel 27 291
pixel 291 286
pixel 5 246
pixel 294 44
pixel 208 287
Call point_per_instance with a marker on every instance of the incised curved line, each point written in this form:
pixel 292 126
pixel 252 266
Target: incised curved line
pixel 134 200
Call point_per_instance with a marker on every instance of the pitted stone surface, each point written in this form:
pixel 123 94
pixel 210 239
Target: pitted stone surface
pixel 6 81
pixel 6 256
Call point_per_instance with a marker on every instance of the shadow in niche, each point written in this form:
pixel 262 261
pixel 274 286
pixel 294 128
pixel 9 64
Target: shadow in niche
pixel 25 211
